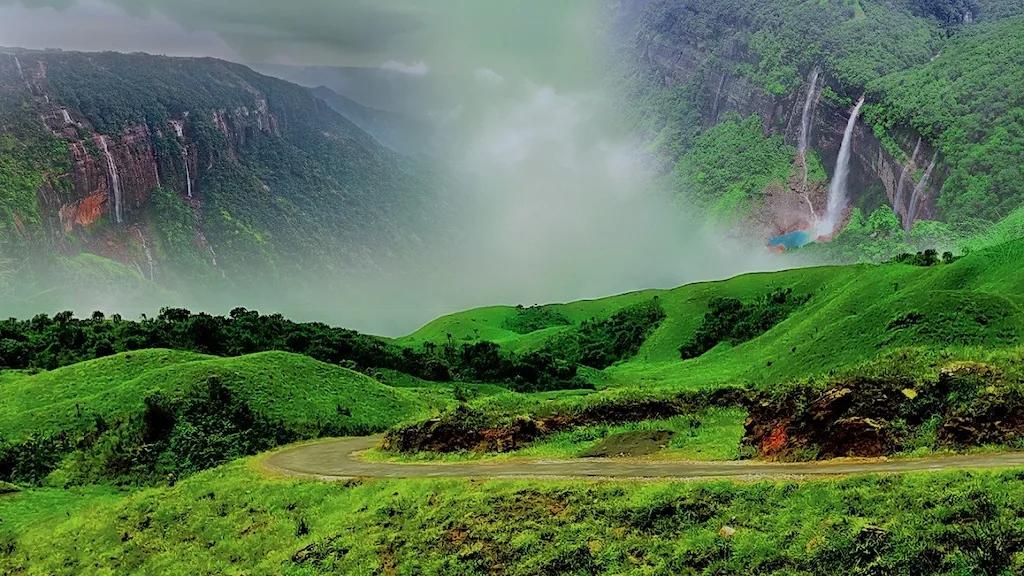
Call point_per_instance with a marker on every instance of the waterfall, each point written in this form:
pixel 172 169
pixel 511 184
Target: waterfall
pixel 67 117
pixel 837 189
pixel 897 200
pixel 148 253
pixel 17 63
pixel 179 129
pixel 919 190
pixel 115 181
pixel 188 174
pixel 805 120
pixel 805 131
pixel 718 96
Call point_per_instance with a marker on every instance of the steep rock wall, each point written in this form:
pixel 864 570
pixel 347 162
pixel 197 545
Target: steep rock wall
pixel 711 58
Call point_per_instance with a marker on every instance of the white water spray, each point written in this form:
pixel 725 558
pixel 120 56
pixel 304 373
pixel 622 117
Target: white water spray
pixel 67 117
pixel 837 189
pixel 17 63
pixel 897 202
pixel 115 181
pixel 919 190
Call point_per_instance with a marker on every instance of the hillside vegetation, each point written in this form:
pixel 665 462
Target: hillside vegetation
pixel 945 71
pixel 141 415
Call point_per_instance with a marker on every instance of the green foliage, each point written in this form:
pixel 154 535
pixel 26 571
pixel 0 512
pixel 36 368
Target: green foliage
pixel 878 238
pixel 30 159
pixel 281 182
pixel 601 343
pixel 534 318
pixel 967 103
pixel 730 320
pixel 175 229
pixel 45 342
pixel 140 416
pixel 731 164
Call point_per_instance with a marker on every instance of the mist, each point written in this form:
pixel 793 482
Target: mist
pixel 550 195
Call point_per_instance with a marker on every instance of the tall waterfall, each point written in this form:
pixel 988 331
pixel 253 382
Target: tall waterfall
pixel 115 181
pixel 188 173
pixel 805 120
pixel 837 189
pixel 17 63
pixel 911 165
pixel 179 129
pixel 919 190
pixel 813 91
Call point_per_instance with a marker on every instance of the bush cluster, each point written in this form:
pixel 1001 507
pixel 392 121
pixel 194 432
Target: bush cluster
pixel 730 320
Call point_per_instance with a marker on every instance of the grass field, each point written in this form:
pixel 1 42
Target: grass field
pixel 235 520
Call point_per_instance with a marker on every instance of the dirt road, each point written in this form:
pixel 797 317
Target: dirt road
pixel 338 459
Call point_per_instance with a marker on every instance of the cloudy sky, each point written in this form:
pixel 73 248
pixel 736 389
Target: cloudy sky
pixel 539 38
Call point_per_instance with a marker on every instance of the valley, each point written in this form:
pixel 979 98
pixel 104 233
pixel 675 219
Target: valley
pixel 652 287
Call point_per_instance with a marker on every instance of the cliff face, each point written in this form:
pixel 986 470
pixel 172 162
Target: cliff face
pixel 687 44
pixel 204 168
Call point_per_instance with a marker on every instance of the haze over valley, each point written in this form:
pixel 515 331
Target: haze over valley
pixel 511 288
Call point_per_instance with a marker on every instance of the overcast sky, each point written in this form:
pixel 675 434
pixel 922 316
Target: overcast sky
pixel 536 38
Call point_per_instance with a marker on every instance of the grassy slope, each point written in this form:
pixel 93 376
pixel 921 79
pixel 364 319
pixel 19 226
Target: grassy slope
pixel 708 435
pixel 283 386
pixel 233 520
pixel 974 301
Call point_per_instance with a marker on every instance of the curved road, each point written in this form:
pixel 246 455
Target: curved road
pixel 338 459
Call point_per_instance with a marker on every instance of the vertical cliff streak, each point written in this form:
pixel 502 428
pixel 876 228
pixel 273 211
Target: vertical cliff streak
pixel 179 130
pixel 115 181
pixel 805 119
pixel 911 165
pixel 919 190
pixel 148 253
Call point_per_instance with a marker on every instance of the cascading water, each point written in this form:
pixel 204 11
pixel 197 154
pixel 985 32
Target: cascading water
pixel 837 189
pixel 915 200
pixel 115 181
pixel 67 117
pixel 805 131
pixel 188 173
pixel 21 73
pixel 805 120
pixel 910 166
pixel 179 129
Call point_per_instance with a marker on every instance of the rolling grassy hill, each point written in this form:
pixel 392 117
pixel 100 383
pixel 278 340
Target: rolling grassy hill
pixel 139 416
pixel 853 313
pixel 291 388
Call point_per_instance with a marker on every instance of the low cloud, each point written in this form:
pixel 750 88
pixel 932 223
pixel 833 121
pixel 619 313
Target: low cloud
pixel 419 68
pixel 488 76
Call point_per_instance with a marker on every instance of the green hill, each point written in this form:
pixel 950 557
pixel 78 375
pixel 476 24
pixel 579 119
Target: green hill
pixel 853 313
pixel 181 402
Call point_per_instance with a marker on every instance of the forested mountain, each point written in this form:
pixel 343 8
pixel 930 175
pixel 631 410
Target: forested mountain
pixel 749 104
pixel 130 168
